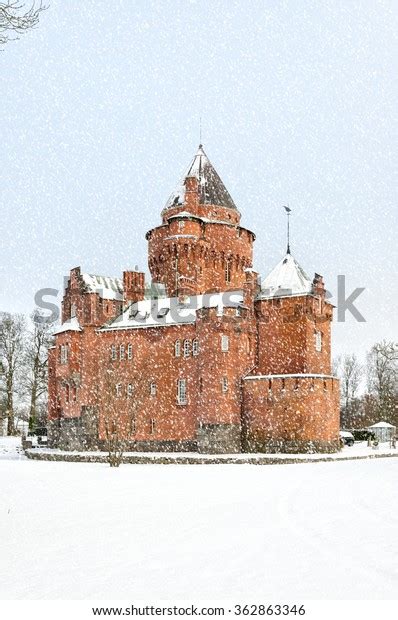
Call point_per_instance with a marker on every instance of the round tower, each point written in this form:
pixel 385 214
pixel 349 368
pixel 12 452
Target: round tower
pixel 200 245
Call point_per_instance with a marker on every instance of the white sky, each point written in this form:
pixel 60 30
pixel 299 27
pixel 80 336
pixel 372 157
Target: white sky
pixel 100 112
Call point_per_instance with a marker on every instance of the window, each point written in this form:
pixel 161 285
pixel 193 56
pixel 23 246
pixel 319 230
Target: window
pixel 224 343
pixel 187 348
pixel 63 354
pixel 129 390
pixel 296 384
pixel 224 384
pixel 227 269
pixel 153 426
pixel 113 352
pixel 67 393
pixel 118 389
pixel 318 341
pixel 200 384
pixel 121 352
pixel 162 313
pixel 152 388
pixel 312 384
pixel 74 393
pixel 133 426
pixel 325 386
pixel 73 311
pixel 269 385
pixel 195 347
pixel 130 351
pixel 177 348
pixel 283 387
pixel 182 391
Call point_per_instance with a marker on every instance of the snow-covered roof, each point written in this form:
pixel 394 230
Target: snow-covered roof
pixel 288 278
pixel 71 325
pixel 211 189
pixel 172 310
pixel 106 287
pixel 382 425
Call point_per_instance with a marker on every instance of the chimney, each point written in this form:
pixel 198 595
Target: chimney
pixel 191 194
pixel 318 285
pixel 133 286
pixel 250 288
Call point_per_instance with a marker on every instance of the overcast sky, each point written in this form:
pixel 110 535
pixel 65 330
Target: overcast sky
pixel 100 111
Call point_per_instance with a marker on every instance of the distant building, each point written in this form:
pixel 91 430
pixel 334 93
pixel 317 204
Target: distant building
pixel 383 431
pixel 203 358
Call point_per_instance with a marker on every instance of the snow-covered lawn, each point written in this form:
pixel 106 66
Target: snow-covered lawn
pixel 242 532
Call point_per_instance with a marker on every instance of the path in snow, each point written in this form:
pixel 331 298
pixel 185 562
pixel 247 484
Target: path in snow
pixel 242 532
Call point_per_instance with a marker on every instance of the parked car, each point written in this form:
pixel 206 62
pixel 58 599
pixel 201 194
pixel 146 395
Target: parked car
pixel 346 438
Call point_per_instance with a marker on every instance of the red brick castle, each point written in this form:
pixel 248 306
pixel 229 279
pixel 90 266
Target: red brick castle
pixel 203 358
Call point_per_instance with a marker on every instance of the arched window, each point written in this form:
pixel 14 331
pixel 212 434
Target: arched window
pixel 130 351
pixel 177 348
pixel 187 348
pixel 195 347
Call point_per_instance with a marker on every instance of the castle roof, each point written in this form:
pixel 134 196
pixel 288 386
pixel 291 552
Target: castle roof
pixel 288 278
pixel 71 325
pixel 211 189
pixel 172 310
pixel 106 287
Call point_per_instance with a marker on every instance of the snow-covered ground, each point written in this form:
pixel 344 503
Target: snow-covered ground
pixel 313 531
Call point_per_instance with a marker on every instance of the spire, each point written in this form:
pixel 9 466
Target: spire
pixel 288 211
pixel 211 189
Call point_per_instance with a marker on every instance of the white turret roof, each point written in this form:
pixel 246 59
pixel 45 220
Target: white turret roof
pixel 288 278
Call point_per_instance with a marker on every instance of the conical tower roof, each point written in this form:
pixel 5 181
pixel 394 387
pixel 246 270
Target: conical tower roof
pixel 287 278
pixel 211 189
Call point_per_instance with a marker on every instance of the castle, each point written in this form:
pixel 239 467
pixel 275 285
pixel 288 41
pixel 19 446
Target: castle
pixel 202 358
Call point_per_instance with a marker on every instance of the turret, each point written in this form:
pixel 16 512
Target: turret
pixel 294 322
pixel 200 245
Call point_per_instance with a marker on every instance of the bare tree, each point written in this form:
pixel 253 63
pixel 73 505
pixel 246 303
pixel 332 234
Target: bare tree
pixel 12 342
pixel 15 20
pixel 382 367
pixel 35 365
pixel 121 397
pixel 350 372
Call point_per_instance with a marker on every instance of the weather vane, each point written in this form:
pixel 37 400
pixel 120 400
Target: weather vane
pixel 288 211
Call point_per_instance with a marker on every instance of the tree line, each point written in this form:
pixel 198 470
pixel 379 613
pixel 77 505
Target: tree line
pixel 369 391
pixel 24 347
